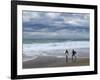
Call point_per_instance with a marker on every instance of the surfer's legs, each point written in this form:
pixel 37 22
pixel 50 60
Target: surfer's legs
pixel 74 58
pixel 66 58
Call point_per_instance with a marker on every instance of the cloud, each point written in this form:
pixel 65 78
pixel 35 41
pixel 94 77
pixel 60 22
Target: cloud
pixel 77 19
pixel 28 16
pixel 60 34
pixel 52 15
pixel 55 25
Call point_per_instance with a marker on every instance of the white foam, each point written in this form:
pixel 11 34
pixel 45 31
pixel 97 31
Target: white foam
pixel 27 59
pixel 60 56
pixel 40 48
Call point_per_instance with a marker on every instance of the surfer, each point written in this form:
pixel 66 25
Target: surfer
pixel 74 55
pixel 66 53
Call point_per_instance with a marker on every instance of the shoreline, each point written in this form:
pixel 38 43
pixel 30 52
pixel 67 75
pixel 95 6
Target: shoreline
pixel 56 58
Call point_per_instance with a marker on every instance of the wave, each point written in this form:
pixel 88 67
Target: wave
pixel 29 58
pixel 62 45
pixel 40 48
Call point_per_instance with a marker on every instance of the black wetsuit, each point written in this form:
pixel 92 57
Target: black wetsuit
pixel 66 52
pixel 73 55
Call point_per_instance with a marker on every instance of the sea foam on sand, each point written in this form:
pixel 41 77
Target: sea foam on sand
pixel 56 49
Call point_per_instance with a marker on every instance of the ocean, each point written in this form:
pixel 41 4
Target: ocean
pixel 51 47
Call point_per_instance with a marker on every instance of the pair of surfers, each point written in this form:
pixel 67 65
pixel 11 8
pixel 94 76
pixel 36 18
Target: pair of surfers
pixel 74 53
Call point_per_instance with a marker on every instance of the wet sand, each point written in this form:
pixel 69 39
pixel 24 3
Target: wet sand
pixel 50 61
pixel 56 58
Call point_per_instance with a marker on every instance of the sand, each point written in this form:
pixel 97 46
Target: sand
pixel 57 58
pixel 47 61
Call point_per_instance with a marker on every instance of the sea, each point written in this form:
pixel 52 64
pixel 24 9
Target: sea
pixel 51 47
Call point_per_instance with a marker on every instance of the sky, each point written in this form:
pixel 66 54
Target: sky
pixel 55 25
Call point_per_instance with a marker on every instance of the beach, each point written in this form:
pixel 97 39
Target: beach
pixel 56 58
pixel 46 35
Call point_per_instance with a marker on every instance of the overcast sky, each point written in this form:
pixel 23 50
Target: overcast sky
pixel 55 25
